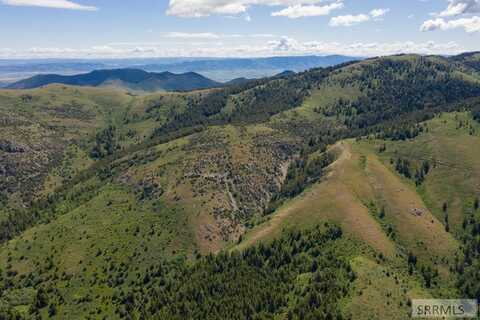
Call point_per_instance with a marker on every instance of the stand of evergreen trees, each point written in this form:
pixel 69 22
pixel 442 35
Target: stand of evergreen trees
pixel 397 95
pixel 476 113
pixel 260 283
pixel 468 265
pixel 406 169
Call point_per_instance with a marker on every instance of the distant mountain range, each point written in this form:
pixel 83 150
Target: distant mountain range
pixel 130 79
pixel 219 69
pixel 137 79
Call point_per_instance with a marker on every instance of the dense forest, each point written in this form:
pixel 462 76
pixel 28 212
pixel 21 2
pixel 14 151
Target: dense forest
pixel 401 91
pixel 258 283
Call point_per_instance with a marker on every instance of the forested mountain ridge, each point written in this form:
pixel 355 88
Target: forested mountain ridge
pixel 470 59
pixel 108 224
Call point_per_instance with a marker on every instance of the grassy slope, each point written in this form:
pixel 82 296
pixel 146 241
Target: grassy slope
pixel 454 180
pixel 381 292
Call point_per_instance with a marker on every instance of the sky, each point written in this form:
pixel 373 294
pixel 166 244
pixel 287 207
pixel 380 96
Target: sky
pixel 235 28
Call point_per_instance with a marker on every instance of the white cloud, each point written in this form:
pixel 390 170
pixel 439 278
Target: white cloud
pixel 285 44
pixel 378 13
pixel 203 8
pixel 348 20
pixel 470 25
pixel 299 10
pixel 365 49
pixel 458 15
pixel 434 24
pixel 58 4
pixel 249 48
pixel 386 48
pixel 351 20
pixel 184 35
pixel 459 7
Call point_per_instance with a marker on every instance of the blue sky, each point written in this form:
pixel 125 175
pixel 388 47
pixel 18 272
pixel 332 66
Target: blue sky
pixel 163 28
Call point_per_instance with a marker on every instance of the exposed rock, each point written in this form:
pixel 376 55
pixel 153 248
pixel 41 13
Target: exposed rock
pixel 11 147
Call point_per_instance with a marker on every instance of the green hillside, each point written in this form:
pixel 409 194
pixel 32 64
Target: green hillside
pixel 341 193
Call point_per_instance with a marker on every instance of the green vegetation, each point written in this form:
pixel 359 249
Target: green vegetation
pixel 298 276
pixel 114 205
pixel 104 143
pixel 301 174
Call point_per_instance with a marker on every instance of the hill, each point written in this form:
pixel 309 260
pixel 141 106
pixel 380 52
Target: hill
pixel 133 79
pixel 470 59
pixel 342 191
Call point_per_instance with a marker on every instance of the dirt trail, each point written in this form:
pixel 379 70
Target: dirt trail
pixel 333 199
